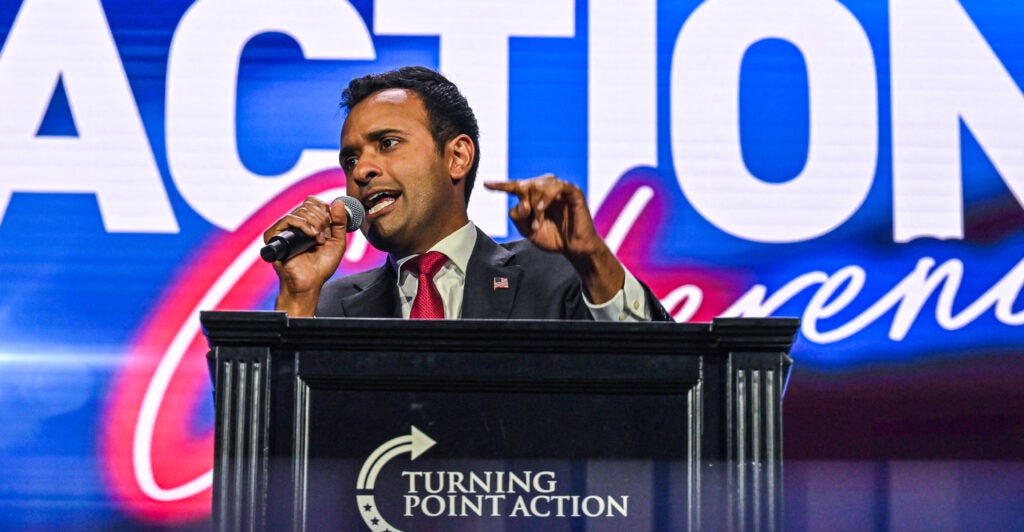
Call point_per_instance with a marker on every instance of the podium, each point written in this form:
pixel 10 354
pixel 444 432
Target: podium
pixel 370 424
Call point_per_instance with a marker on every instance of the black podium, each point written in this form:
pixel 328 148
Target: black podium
pixel 360 424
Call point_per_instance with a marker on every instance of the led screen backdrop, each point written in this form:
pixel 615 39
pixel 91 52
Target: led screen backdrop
pixel 857 164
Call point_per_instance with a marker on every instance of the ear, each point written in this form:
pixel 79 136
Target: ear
pixel 460 154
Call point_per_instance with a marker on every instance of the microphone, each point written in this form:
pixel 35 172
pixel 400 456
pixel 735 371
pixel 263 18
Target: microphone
pixel 289 243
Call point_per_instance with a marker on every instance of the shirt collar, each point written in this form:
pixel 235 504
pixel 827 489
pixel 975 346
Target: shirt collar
pixel 457 246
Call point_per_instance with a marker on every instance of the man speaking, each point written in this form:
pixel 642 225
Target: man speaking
pixel 410 152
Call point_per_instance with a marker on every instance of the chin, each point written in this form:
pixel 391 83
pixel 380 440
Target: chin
pixel 375 239
pixel 384 242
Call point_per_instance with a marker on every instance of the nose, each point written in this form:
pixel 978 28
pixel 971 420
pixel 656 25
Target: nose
pixel 365 170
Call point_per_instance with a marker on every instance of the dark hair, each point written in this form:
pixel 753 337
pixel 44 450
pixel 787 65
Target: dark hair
pixel 447 109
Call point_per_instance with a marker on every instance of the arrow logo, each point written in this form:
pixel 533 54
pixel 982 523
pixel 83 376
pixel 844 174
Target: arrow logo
pixel 416 443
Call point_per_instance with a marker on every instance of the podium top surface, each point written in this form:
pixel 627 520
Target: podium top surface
pixel 225 328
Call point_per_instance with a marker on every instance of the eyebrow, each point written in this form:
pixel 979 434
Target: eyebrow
pixel 372 136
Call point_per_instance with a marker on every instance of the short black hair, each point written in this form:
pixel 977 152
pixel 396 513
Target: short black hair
pixel 447 109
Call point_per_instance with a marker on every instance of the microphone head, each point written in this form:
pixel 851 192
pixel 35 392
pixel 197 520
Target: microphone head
pixel 355 212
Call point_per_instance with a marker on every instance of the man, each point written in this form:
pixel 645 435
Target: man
pixel 410 151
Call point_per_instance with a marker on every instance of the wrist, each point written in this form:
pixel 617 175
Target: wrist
pixel 601 272
pixel 297 305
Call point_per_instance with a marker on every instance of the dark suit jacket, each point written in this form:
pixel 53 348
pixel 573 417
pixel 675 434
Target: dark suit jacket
pixel 541 285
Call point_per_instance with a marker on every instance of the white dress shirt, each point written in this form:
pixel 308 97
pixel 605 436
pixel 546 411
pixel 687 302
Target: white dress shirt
pixel 629 304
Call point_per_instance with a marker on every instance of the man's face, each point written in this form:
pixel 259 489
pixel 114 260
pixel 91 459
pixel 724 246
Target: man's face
pixel 392 165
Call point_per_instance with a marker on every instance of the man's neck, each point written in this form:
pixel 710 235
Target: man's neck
pixel 458 246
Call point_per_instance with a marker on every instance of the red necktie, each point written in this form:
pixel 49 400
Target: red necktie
pixel 428 304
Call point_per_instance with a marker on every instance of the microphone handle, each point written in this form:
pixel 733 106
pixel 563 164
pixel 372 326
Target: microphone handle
pixel 286 245
pixel 289 243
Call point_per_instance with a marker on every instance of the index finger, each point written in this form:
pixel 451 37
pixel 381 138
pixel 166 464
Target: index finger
pixel 512 187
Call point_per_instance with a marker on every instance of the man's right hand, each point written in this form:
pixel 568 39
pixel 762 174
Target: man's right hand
pixel 303 275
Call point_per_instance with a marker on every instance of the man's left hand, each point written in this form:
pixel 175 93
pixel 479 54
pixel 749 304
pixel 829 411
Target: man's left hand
pixel 553 214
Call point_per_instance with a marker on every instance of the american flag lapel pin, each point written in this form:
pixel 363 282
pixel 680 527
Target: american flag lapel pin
pixel 500 282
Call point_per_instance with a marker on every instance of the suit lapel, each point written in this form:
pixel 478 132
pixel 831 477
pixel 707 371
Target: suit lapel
pixel 488 266
pixel 375 298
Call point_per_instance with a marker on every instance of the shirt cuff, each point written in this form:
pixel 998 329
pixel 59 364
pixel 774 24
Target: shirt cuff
pixel 628 304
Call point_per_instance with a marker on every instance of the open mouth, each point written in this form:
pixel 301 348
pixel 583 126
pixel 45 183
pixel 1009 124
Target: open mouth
pixel 378 201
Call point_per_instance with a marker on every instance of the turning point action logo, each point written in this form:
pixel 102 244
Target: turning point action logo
pixel 473 494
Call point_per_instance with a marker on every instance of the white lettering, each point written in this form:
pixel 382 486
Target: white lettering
pixel 627 217
pixel 620 506
pixel 202 73
pixel 454 505
pixel 519 508
pixel 412 475
pixel 622 98
pixel 943 71
pixel 411 502
pixel 908 297
pixel 438 503
pixel 591 510
pixel 911 294
pixel 70 40
pixel 477 482
pixel 753 304
pixel 843 140
pixel 535 510
pixel 687 297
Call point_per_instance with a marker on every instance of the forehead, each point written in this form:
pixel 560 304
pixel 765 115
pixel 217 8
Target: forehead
pixel 388 109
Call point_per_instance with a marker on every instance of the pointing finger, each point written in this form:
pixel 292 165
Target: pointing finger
pixel 511 187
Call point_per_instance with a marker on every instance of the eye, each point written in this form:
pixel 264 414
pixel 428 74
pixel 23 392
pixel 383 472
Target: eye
pixel 349 163
pixel 388 143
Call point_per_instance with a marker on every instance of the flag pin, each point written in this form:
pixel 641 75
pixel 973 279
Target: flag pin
pixel 500 282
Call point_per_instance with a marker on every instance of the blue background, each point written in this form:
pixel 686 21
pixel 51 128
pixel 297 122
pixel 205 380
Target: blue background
pixel 879 432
